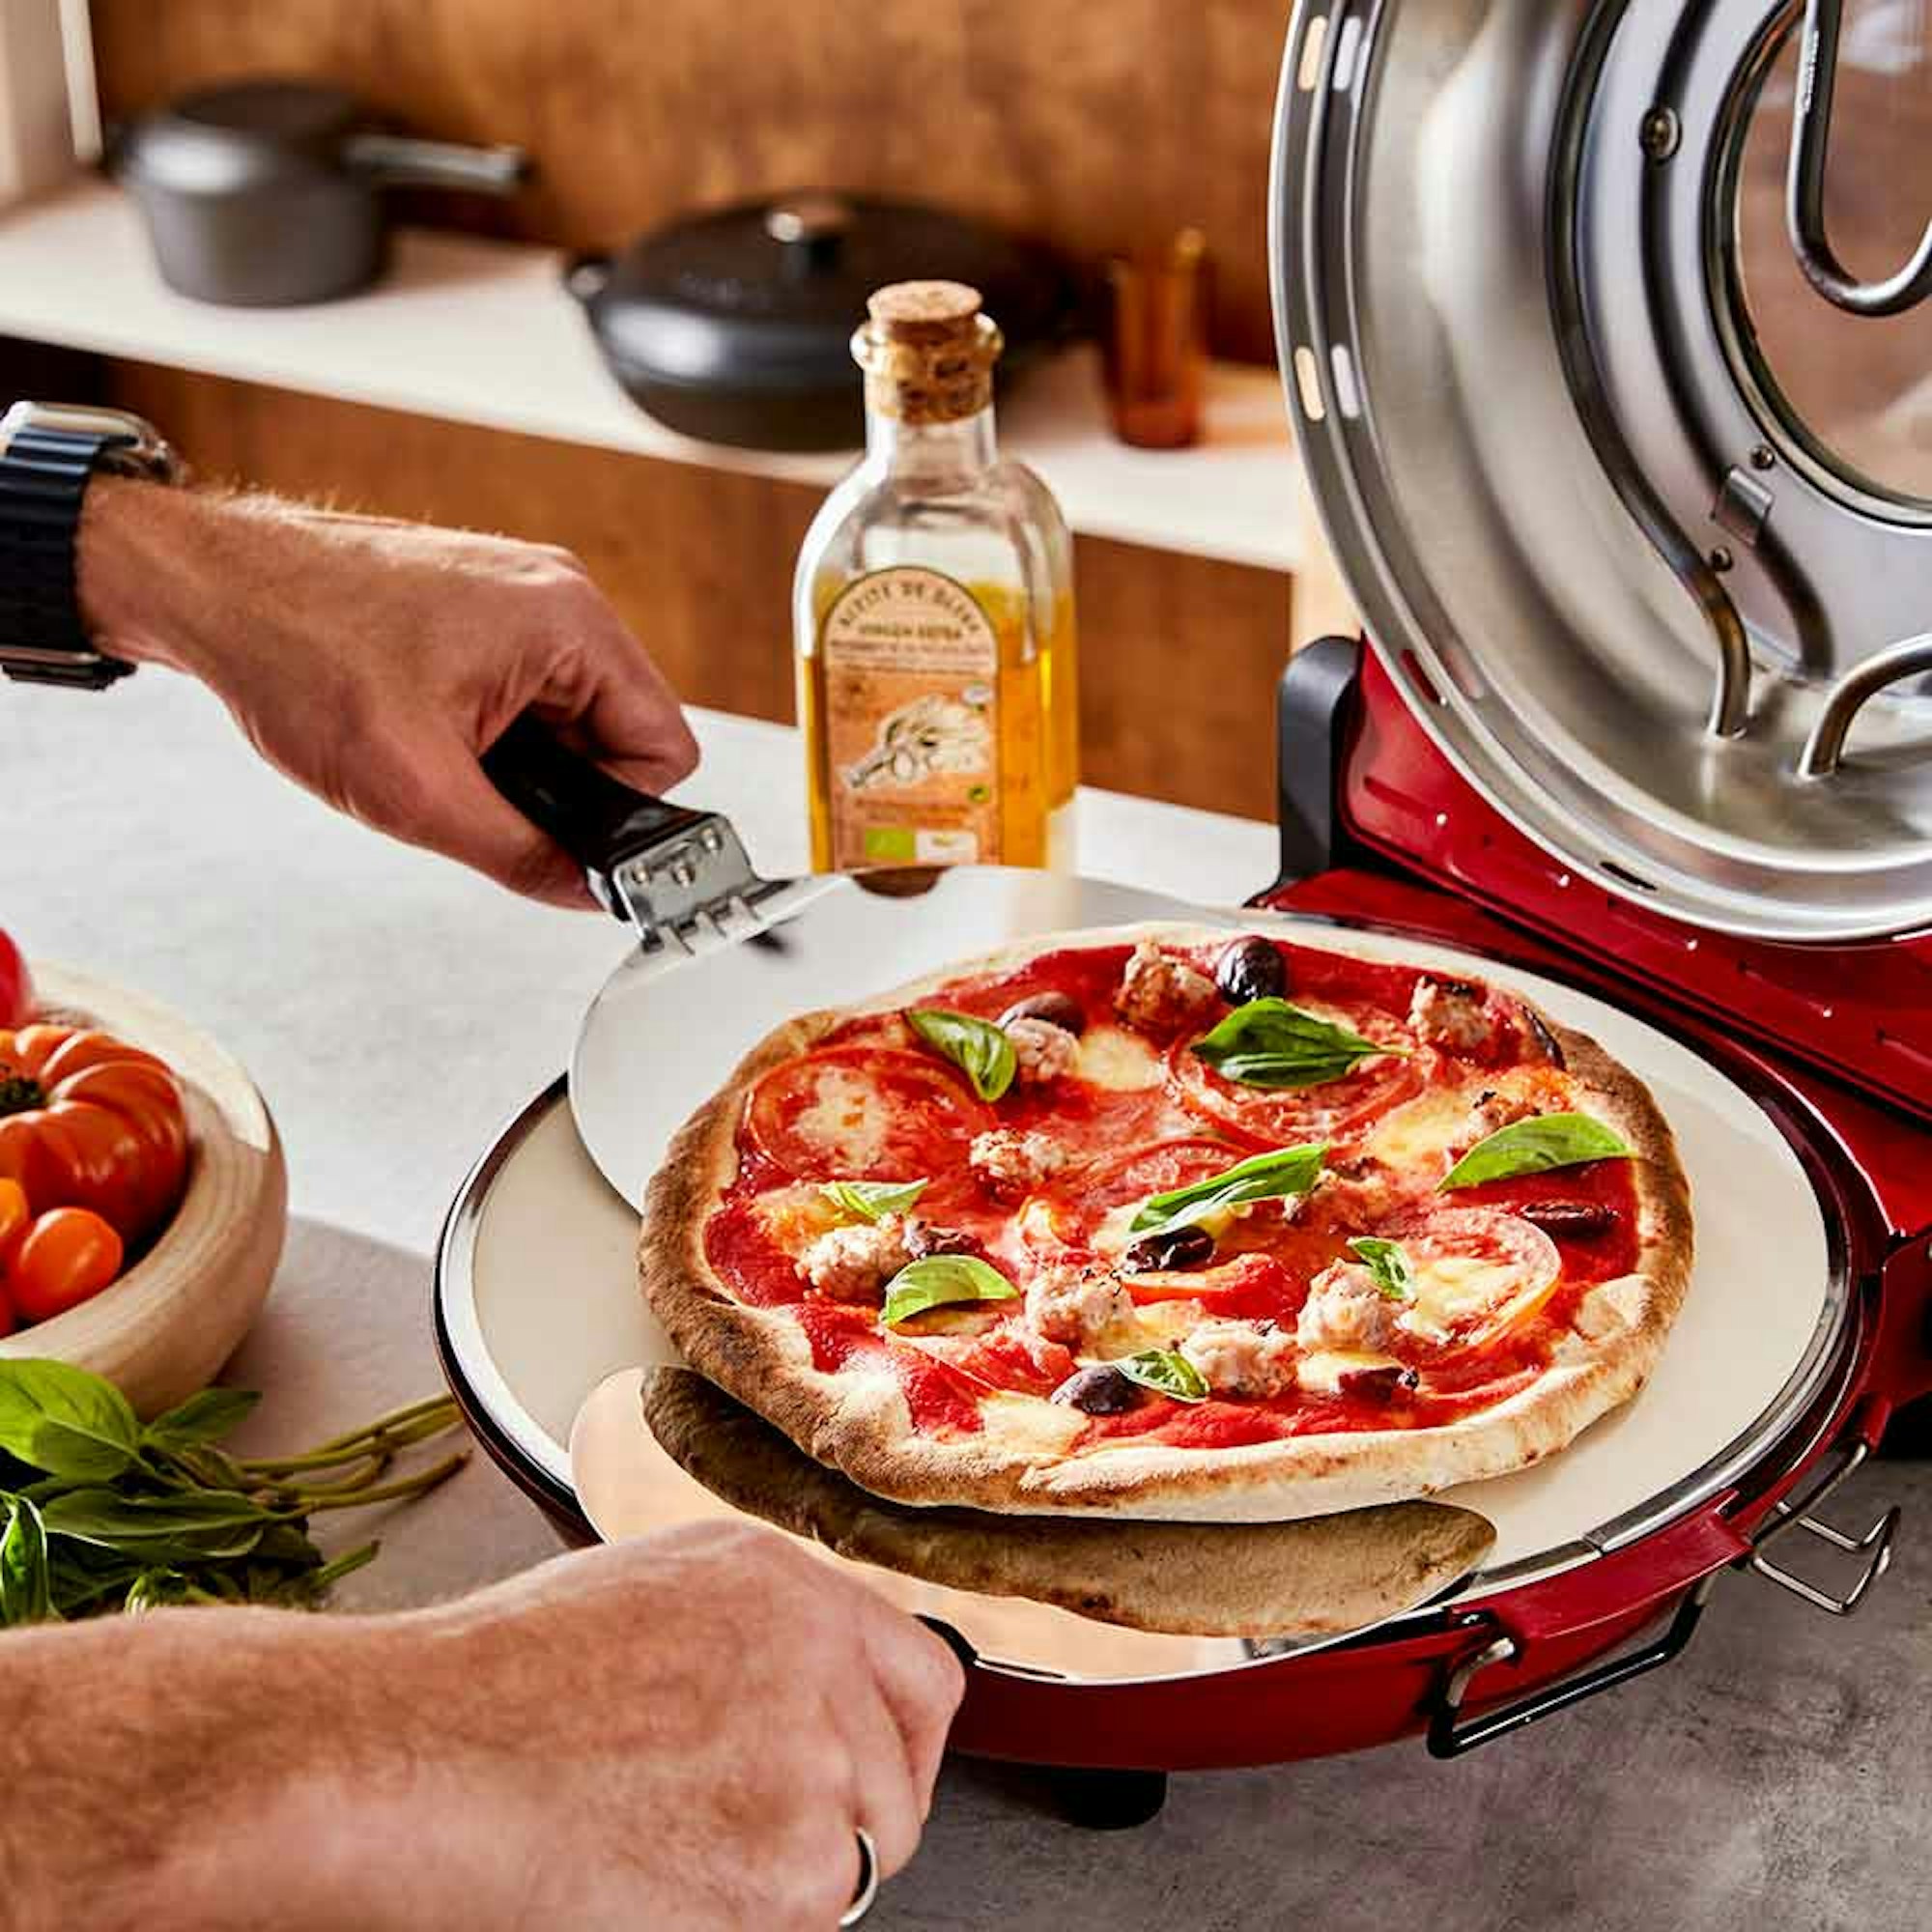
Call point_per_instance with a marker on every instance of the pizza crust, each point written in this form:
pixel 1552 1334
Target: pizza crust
pixel 859 1423
pixel 1319 1579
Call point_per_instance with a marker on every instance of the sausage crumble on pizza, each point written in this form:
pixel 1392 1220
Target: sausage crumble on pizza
pixel 1159 1223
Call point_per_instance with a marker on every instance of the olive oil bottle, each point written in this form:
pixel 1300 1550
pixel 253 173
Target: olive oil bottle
pixel 933 615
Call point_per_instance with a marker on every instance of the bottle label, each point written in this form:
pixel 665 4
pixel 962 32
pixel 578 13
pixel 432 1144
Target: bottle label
pixel 911 666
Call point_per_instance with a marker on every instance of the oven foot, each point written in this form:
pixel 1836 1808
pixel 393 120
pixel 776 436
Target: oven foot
pixel 1909 1435
pixel 1108 1800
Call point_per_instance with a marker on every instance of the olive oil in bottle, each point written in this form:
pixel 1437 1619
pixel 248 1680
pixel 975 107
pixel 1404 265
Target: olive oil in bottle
pixel 933 615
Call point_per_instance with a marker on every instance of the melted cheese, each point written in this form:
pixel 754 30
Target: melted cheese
pixel 1419 1132
pixel 1470 1293
pixel 1026 1423
pixel 1120 1061
pixel 1320 1371
pixel 794 1217
pixel 844 1119
pixel 1165 1324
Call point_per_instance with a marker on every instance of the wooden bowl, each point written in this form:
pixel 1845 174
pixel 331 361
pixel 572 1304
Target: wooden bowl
pixel 164 1329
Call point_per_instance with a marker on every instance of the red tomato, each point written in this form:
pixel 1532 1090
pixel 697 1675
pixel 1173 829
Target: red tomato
pixel 865 1113
pixel 16 990
pixel 15 1217
pixel 87 1121
pixel 67 1257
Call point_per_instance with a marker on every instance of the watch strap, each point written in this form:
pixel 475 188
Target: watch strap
pixel 43 477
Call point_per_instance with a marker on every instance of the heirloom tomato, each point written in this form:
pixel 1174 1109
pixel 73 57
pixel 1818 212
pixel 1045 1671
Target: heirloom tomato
pixel 87 1121
pixel 67 1257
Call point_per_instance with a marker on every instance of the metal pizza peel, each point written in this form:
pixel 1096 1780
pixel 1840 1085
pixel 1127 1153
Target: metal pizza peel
pixel 718 954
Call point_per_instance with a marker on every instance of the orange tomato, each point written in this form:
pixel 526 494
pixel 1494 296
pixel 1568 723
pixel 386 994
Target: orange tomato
pixel 66 1256
pixel 15 1215
pixel 87 1121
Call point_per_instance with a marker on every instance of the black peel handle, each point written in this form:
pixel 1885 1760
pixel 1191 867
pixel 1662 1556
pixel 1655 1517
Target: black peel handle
pixel 600 821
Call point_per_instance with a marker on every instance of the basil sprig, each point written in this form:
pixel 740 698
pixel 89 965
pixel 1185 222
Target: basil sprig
pixel 873 1200
pixel 1534 1146
pixel 1274 1044
pixel 1264 1177
pixel 979 1047
pixel 101 1512
pixel 1166 1369
pixel 938 1281
pixel 1388 1266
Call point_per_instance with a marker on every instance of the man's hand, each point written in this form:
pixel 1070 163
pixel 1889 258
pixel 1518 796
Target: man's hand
pixel 375 661
pixel 682 1732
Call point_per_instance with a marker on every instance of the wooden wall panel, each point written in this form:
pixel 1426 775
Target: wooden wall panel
pixel 1091 125
pixel 1179 654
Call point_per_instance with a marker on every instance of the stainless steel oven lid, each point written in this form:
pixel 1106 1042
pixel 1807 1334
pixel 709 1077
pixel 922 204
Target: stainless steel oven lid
pixel 1661 586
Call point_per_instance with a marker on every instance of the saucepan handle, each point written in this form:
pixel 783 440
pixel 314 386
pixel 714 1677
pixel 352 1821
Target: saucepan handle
pixel 396 160
pixel 601 822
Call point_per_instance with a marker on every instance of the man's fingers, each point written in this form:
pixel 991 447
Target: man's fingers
pixel 922 1683
pixel 449 805
pixel 633 724
pixel 891 1801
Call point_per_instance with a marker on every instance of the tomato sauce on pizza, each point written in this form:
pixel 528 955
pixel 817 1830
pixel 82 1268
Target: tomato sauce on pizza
pixel 1204 1194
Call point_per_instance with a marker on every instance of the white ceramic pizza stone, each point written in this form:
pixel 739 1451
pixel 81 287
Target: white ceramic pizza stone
pixel 550 1305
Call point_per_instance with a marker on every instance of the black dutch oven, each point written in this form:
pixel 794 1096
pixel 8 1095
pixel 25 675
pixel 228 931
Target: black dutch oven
pixel 736 326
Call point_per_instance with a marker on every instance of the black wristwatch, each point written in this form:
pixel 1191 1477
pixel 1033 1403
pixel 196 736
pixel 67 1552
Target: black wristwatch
pixel 49 454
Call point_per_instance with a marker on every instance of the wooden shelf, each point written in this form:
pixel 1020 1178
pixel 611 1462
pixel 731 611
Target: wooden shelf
pixel 481 332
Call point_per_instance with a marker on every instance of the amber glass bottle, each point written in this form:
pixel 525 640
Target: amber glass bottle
pixel 933 615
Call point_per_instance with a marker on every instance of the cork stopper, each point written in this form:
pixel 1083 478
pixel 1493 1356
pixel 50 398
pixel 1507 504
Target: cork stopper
pixel 927 351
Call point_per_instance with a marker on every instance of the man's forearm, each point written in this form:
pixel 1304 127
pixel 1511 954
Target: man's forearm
pixel 205 1768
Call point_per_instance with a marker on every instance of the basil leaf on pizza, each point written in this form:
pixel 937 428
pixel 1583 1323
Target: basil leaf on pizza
pixel 1166 1369
pixel 1534 1146
pixel 1265 1177
pixel 1388 1267
pixel 1274 1044
pixel 940 1281
pixel 873 1200
pixel 979 1048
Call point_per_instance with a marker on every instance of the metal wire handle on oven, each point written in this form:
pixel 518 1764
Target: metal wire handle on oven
pixel 1804 185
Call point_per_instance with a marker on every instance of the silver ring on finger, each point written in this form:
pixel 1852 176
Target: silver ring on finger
pixel 867 1888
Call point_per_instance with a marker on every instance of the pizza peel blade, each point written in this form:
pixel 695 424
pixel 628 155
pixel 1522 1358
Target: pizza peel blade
pixel 720 956
pixel 1331 1577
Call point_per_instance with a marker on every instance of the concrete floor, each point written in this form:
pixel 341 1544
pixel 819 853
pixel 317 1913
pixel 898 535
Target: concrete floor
pixel 1777 1774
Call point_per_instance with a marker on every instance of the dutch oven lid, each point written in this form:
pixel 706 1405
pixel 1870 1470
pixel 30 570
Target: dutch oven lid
pixel 765 296
pixel 1580 419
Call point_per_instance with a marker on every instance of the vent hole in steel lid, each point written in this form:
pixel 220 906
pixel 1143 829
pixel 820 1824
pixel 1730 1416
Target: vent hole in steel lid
pixel 1347 43
pixel 1308 384
pixel 1628 877
pixel 1347 398
pixel 1310 70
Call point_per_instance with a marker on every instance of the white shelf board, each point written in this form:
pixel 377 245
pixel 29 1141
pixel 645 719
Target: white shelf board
pixel 481 332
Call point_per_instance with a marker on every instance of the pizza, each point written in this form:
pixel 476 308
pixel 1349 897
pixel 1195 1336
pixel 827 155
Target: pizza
pixel 1320 1577
pixel 1172 1223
